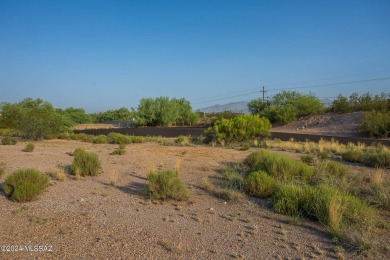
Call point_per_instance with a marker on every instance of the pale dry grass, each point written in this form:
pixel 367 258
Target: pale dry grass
pixel 113 178
pixel 378 178
pixel 323 146
pixel 59 174
pixel 177 167
pixel 335 215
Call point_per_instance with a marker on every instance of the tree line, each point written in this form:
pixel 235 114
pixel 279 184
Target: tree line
pixel 36 118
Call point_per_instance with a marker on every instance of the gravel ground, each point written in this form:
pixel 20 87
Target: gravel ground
pixel 91 219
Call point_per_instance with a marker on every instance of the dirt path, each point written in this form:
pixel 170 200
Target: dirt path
pixel 91 219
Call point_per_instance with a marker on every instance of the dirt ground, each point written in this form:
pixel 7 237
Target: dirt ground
pixel 325 124
pixel 91 219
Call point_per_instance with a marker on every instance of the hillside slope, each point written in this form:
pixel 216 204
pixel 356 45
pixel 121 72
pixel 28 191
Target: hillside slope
pixel 325 124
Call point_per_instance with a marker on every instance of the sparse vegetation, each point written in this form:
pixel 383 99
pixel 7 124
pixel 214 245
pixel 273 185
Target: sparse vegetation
pixel 1 171
pixel 100 139
pixel 183 140
pixel 352 156
pixel 85 163
pixel 377 159
pixel 25 185
pixel 29 147
pixel 165 185
pixel 119 151
pixel 8 140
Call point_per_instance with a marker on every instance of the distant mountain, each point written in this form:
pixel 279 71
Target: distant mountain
pixel 237 107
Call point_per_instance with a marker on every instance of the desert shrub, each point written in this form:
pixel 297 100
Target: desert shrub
pixel 377 159
pixel 5 131
pixel 85 163
pixel 84 137
pixel 100 139
pixel 122 146
pixel 116 138
pixel 241 128
pixel 1 171
pixel 137 139
pixel 65 136
pixel 375 124
pixel 260 184
pixel 308 159
pixel 337 210
pixel 232 180
pixel 183 140
pixel 352 156
pixel 29 147
pixel 245 147
pixel 119 152
pixel 278 166
pixel 25 185
pixel 8 140
pixel 165 185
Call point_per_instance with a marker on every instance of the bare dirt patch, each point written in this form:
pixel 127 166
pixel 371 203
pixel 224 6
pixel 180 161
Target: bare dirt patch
pixel 329 124
pixel 91 219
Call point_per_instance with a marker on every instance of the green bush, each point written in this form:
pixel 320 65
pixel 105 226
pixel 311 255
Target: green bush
pixel 165 185
pixel 116 138
pixel 375 124
pixel 337 210
pixel 245 147
pixel 100 139
pixel 8 140
pixel 241 128
pixel 119 152
pixel 183 140
pixel 29 147
pixel 352 156
pixel 278 166
pixel 377 159
pixel 85 163
pixel 25 185
pixel 308 159
pixel 260 184
pixel 1 171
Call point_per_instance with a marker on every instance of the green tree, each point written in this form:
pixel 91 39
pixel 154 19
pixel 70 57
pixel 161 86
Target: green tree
pixel 257 106
pixel 40 120
pixel 341 105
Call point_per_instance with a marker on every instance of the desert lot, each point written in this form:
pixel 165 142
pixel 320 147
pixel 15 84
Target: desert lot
pixel 90 218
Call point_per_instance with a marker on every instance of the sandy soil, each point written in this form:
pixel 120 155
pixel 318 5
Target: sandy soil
pixel 326 124
pixel 90 219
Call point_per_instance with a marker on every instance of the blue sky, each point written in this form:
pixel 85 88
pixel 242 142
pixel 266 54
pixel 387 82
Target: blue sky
pixel 103 55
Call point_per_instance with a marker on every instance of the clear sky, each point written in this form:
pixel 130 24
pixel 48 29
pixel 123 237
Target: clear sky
pixel 103 55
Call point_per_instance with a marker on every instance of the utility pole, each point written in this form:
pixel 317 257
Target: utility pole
pixel 263 91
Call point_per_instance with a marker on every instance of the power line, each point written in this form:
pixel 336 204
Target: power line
pixel 253 90
pixel 305 87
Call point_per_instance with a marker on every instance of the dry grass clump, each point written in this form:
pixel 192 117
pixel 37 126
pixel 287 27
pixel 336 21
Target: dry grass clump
pixel 59 174
pixel 113 178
